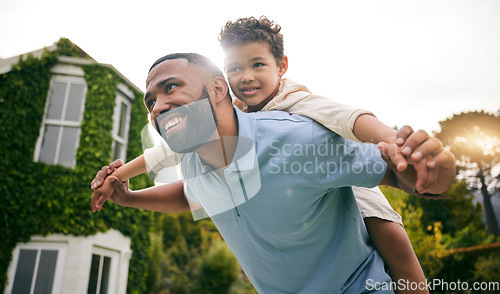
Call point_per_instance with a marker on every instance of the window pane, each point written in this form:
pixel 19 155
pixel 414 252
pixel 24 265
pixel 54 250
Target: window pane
pixel 117 151
pixel 74 104
pixel 68 146
pixel 24 271
pixel 46 270
pixel 94 274
pixel 105 275
pixel 49 144
pixel 123 120
pixel 56 100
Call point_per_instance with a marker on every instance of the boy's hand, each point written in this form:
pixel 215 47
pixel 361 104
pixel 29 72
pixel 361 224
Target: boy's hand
pixel 427 156
pixel 394 145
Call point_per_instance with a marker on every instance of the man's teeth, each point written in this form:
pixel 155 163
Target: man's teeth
pixel 172 123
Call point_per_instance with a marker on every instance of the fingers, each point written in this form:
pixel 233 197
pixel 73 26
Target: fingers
pixel 100 195
pixel 100 202
pixel 413 141
pixel 119 189
pixel 114 165
pixel 99 178
pixel 93 202
pixel 402 134
pixel 422 177
pixel 443 159
pixel 430 147
pixel 424 159
pixel 104 172
pixel 392 153
pixel 437 170
pixel 434 165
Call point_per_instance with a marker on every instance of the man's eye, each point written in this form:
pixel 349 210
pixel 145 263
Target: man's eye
pixel 170 87
pixel 150 104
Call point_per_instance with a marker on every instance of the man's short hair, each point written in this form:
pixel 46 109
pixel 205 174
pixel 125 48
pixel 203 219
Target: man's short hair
pixel 193 58
pixel 250 29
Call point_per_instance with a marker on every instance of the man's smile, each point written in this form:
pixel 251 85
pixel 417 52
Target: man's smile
pixel 169 123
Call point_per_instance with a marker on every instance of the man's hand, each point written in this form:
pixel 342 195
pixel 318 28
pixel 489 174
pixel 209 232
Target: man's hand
pixel 431 164
pixel 114 189
pixel 120 194
pixel 104 172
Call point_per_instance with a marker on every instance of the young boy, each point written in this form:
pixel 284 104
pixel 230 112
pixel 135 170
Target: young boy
pixel 255 64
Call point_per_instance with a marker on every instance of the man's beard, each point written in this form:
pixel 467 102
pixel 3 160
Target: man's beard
pixel 188 127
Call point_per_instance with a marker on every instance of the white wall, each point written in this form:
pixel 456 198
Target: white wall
pixel 73 277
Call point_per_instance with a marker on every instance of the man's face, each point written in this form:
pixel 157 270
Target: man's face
pixel 179 104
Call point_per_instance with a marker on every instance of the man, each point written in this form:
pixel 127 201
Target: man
pixel 276 185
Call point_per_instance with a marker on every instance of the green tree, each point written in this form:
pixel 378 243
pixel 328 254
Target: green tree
pixel 487 268
pixel 455 213
pixel 425 239
pixel 474 139
pixel 218 269
pixel 189 256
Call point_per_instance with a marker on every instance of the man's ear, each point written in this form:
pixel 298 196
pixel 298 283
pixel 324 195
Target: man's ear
pixel 220 89
pixel 283 66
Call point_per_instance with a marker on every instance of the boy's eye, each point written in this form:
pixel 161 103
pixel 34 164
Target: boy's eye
pixel 258 64
pixel 233 69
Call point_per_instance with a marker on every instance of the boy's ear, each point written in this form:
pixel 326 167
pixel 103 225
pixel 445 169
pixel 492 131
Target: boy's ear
pixel 283 66
pixel 220 89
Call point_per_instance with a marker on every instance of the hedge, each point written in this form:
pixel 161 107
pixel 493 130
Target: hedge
pixel 44 199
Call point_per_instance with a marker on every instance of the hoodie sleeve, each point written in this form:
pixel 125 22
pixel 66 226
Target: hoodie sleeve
pixel 297 99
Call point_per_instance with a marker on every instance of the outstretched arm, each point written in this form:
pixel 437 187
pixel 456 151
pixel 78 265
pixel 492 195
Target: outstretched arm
pixel 367 128
pixel 121 171
pixel 162 198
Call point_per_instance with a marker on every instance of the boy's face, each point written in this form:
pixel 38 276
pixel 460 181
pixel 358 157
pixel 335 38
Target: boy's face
pixel 253 73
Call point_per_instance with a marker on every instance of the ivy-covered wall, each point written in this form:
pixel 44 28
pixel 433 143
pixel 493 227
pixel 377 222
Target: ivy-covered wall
pixel 41 199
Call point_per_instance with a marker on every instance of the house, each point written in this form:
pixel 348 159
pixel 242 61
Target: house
pixel 63 115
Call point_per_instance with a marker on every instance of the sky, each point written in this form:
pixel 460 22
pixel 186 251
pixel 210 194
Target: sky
pixel 409 62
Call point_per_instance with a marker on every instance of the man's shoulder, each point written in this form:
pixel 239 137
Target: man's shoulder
pixel 278 116
pixel 281 121
pixel 276 121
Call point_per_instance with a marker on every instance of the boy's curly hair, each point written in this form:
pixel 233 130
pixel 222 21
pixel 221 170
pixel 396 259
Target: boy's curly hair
pixel 250 29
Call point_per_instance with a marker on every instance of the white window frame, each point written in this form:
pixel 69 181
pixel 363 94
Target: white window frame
pixel 39 246
pixel 61 123
pixel 123 96
pixel 113 268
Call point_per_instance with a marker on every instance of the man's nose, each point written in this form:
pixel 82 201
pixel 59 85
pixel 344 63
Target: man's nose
pixel 161 106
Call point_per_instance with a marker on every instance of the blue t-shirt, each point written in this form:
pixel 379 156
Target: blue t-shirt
pixel 285 206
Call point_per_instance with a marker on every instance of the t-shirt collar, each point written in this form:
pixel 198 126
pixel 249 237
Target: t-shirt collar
pixel 245 155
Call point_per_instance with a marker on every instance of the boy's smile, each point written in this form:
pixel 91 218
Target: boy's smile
pixel 253 73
